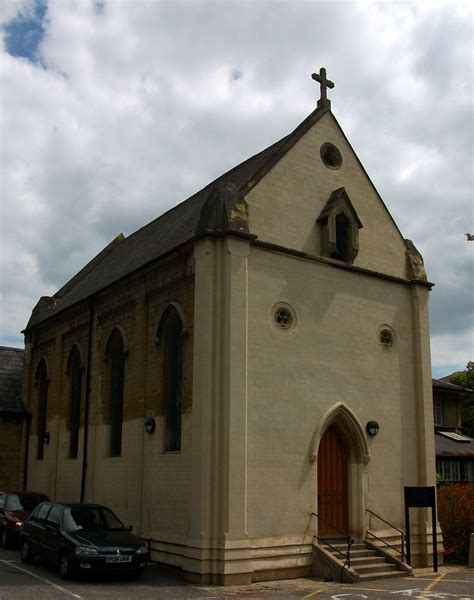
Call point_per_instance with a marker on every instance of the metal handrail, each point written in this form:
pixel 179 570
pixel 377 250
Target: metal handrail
pixel 402 533
pixel 382 519
pixel 349 541
pixel 386 543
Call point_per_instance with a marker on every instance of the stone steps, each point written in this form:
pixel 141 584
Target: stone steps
pixel 383 575
pixel 366 560
pixel 366 563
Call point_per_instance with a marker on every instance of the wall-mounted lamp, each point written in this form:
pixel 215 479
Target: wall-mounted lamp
pixel 150 424
pixel 46 437
pixel 372 428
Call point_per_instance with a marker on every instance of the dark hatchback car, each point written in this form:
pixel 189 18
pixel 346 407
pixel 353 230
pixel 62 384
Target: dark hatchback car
pixel 15 507
pixel 82 538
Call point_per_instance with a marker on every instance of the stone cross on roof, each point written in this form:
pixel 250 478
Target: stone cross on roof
pixel 323 102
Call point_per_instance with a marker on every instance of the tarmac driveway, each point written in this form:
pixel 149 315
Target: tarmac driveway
pixel 42 582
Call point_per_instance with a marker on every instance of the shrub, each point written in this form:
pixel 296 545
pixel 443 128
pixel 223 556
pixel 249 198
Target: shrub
pixel 456 517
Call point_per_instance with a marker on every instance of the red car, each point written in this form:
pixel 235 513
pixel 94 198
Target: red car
pixel 15 507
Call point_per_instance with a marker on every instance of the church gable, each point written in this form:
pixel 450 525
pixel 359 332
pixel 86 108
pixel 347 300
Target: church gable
pixel 294 204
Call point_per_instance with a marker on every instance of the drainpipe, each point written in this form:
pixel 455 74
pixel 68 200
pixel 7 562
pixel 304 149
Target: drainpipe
pixel 27 447
pixel 88 393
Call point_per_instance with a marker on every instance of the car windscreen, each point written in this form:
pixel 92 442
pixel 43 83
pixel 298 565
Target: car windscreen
pixel 77 518
pixel 24 501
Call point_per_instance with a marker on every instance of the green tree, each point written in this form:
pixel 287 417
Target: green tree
pixel 466 380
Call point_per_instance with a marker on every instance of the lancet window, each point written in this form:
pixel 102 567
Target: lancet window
pixel 74 372
pixel 42 383
pixel 116 374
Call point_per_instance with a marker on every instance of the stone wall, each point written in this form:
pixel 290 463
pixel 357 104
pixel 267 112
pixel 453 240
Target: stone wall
pixel 332 355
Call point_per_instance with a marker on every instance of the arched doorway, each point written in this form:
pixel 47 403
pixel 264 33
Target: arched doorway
pixel 333 507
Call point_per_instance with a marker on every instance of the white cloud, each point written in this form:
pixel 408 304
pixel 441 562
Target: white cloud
pixel 451 353
pixel 137 107
pixel 9 9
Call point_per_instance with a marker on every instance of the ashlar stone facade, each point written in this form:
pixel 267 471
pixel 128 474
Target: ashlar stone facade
pixel 297 308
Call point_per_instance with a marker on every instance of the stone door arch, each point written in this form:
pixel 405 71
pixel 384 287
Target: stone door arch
pixel 340 422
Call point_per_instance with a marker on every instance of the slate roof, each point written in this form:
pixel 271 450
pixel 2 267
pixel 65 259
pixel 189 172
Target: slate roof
pixel 175 228
pixel 444 384
pixel 334 199
pixel 446 447
pixel 11 366
pixel 172 230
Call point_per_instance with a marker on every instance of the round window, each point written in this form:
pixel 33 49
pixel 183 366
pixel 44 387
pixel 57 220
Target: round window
pixel 331 156
pixel 283 316
pixel 386 337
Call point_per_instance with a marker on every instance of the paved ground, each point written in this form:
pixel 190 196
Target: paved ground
pixel 42 582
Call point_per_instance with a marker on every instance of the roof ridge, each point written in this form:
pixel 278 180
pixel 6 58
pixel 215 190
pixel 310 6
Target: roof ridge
pixel 12 348
pixel 209 185
pixel 172 229
pixel 283 146
pixel 89 266
pixel 449 385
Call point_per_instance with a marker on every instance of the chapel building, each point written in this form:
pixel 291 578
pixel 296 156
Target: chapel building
pixel 247 371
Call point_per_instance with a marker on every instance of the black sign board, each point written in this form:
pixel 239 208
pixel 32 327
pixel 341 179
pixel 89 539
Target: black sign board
pixel 421 497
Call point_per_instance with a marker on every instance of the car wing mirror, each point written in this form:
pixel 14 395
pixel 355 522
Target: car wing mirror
pixel 130 528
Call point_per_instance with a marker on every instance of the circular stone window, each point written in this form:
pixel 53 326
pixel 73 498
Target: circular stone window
pixel 283 317
pixel 331 156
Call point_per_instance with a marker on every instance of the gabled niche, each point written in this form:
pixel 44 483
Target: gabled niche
pixel 339 225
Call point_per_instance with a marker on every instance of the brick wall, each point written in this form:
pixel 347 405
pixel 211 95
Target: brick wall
pixel 135 308
pixel 11 452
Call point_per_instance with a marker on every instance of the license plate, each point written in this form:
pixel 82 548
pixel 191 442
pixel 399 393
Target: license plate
pixel 117 558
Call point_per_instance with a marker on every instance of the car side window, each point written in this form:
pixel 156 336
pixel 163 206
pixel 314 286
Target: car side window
pixel 12 502
pixel 54 516
pixel 40 514
pixel 2 500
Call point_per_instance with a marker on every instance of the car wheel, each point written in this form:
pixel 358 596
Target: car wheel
pixel 25 551
pixel 4 541
pixel 64 567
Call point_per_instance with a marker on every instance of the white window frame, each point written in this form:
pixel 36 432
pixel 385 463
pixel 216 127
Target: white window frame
pixel 449 470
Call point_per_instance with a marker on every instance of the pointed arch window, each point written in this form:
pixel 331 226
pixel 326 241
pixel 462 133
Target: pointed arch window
pixel 116 374
pixel 42 383
pixel 340 226
pixel 343 232
pixel 172 331
pixel 74 372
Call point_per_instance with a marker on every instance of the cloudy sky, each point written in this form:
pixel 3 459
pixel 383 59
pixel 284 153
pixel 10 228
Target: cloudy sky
pixel 114 111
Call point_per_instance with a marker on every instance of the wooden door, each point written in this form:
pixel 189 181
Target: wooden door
pixel 332 484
